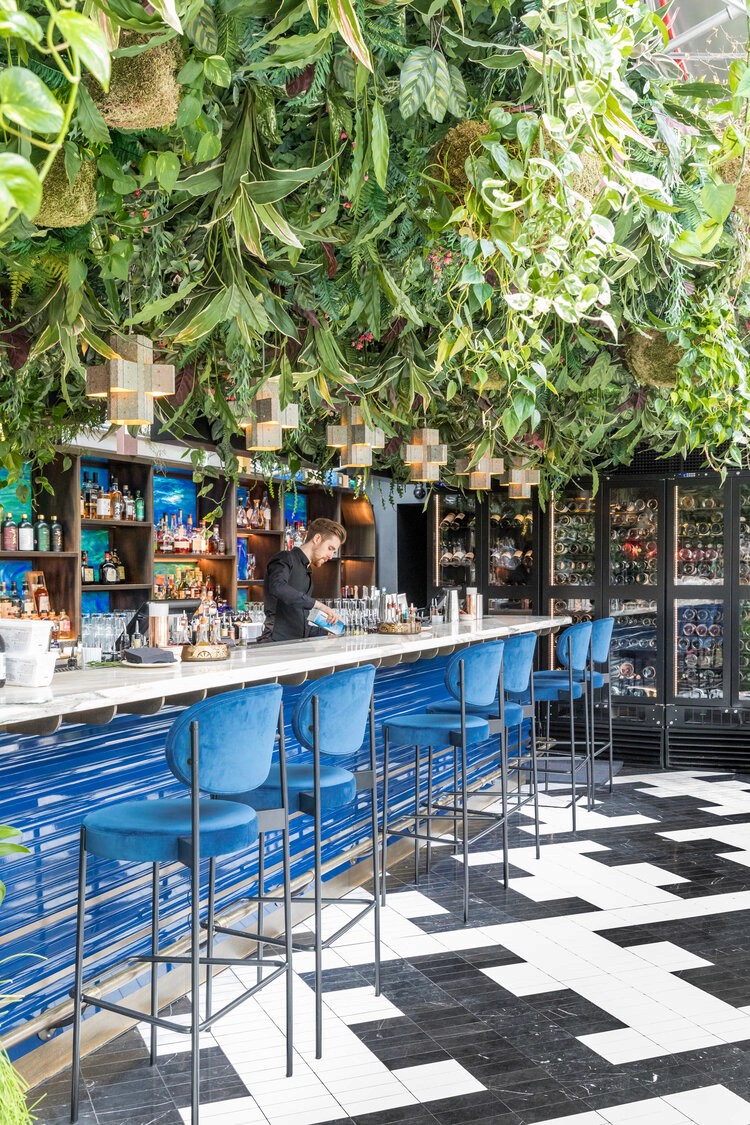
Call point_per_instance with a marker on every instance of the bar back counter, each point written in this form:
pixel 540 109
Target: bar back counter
pixel 99 737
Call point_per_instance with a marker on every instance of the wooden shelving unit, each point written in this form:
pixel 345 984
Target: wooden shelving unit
pixel 134 541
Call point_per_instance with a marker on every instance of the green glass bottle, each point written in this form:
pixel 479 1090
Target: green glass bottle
pixel 42 534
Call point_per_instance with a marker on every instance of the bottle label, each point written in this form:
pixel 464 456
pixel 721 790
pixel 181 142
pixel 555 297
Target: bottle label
pixel 43 603
pixel 110 574
pixel 117 509
pixel 42 539
pixel 57 540
pixel 103 507
pixel 25 539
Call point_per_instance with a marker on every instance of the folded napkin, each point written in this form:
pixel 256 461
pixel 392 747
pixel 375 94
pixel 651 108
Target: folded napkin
pixel 148 656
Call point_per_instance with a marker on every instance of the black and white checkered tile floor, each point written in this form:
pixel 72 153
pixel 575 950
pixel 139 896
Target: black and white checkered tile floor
pixel 609 985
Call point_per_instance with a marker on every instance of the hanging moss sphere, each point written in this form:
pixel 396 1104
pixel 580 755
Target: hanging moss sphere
pixel 729 172
pixel 458 144
pixel 63 204
pixel 652 359
pixel 588 182
pixel 143 91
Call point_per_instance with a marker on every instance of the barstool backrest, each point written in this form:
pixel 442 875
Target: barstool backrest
pixel 518 662
pixel 482 664
pixel 236 736
pixel 343 710
pixel 601 635
pixel 575 642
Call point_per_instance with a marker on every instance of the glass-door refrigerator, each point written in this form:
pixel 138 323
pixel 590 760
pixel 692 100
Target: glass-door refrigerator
pixel 454 542
pixel 573 581
pixel 697 601
pixel 510 539
pixel 633 580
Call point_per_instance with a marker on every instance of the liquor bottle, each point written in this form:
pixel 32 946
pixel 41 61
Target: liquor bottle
pixel 241 514
pixel 298 537
pixel 197 541
pixel 85 489
pixel 15 600
pixel 119 564
pixel 41 597
pixel 288 536
pixel 27 598
pixel 87 570
pixel 10 533
pixel 181 542
pixel 128 504
pixel 93 496
pixel 63 623
pixel 167 539
pixel 189 531
pixel 25 534
pixel 41 534
pixel 213 542
pixel 104 504
pixel 108 575
pixel 140 507
pixel 265 511
pixel 115 496
pixel 56 534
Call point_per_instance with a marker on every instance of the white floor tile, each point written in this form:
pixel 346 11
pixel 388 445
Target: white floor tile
pixel 412 904
pixel 622 1046
pixel 431 1081
pixel 668 956
pixel 711 1105
pixel 238 1111
pixel 523 980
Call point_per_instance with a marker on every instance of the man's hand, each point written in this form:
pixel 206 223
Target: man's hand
pixel 330 614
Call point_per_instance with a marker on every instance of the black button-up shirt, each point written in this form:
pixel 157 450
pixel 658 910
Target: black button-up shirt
pixel 287 598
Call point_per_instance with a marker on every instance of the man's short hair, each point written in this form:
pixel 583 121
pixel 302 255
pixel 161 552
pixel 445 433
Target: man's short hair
pixel 326 528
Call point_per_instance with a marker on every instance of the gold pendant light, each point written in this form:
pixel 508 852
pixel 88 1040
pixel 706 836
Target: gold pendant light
pixel 481 473
pixel 520 482
pixel 425 454
pixel 131 381
pixel 264 429
pixel 354 439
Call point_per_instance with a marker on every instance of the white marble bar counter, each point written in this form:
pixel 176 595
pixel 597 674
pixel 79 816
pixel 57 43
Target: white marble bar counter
pixel 96 695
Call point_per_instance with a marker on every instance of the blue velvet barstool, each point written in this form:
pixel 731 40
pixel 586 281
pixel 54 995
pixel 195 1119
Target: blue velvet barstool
pixel 218 748
pixel 473 678
pixel 330 719
pixel 567 685
pixel 505 715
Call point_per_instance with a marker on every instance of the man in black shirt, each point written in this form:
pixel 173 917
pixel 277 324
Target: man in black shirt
pixel 288 582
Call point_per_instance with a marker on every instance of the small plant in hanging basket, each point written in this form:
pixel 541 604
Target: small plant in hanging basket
pixel 651 359
pixel 143 90
pixel 65 204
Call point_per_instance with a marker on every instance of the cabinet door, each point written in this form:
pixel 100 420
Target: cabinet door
pixel 698 631
pixel 573 528
pixel 699 535
pixel 635 655
pixel 455 541
pixel 634 535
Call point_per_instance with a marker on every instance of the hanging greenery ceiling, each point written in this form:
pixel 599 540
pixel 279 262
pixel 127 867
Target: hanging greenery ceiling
pixel 516 222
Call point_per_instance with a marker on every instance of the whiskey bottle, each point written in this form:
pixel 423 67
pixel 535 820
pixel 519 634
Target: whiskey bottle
pixel 85 489
pixel 41 598
pixel 265 511
pixel 167 540
pixel 119 564
pixel 56 535
pixel 10 533
pixel 25 534
pixel 27 598
pixel 104 504
pixel 87 570
pixel 140 507
pixel 181 541
pixel 63 622
pixel 108 575
pixel 15 600
pixel 115 499
pixel 42 534
pixel 6 605
pixel 93 496
pixel 128 504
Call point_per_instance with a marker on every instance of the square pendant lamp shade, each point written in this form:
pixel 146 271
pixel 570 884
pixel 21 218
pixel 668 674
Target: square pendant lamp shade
pixel 131 381
pixel 354 439
pixel 481 473
pixel 425 454
pixel 265 429
pixel 520 482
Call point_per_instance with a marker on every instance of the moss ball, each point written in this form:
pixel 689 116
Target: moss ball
pixel 64 205
pixel 729 172
pixel 143 91
pixel 588 182
pixel 652 359
pixel 458 144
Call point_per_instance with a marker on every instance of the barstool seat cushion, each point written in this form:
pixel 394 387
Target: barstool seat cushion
pixel 554 691
pixel 338 788
pixel 159 831
pixel 423 729
pixel 561 676
pixel 513 711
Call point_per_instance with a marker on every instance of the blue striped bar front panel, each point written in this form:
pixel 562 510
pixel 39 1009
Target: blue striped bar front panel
pixel 47 785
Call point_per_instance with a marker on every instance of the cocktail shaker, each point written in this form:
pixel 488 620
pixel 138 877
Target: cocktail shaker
pixel 451 606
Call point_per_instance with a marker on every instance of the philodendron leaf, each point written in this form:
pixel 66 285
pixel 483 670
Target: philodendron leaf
pixel 348 25
pixel 20 25
pixel 20 186
pixel 87 40
pixel 168 12
pixel 167 169
pixel 216 70
pixel 26 100
pixel 718 200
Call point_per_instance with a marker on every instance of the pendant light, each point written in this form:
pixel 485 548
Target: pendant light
pixel 131 381
pixel 354 438
pixel 425 454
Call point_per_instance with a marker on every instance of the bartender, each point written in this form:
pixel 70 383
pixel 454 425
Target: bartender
pixel 287 598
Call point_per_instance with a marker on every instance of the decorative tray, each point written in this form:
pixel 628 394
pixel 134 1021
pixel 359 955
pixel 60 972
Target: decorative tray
pixel 402 627
pixel 205 652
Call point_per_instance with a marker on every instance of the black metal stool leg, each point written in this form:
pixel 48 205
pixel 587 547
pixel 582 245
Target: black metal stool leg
pixel 455 796
pixel 288 947
pixel 535 782
pixel 75 1081
pixel 573 760
pixel 154 965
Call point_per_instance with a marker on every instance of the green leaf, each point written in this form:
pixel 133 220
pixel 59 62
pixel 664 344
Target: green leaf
pixel 380 143
pixel 90 120
pixel 439 95
pixel 216 70
pixel 167 170
pixel 718 200
pixel 201 30
pixel 205 321
pixel 26 100
pixel 20 186
pixel 246 224
pixel 87 40
pixel 123 185
pixel 73 160
pixel 346 20
pixel 416 78
pixel 168 12
pixel 297 50
pixel 204 182
pixel 189 111
pixel 209 148
pixel 459 99
pixel 503 62
pixel 155 309
pixel 192 69
pixel 275 222
pixel 20 25
pixel 701 90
